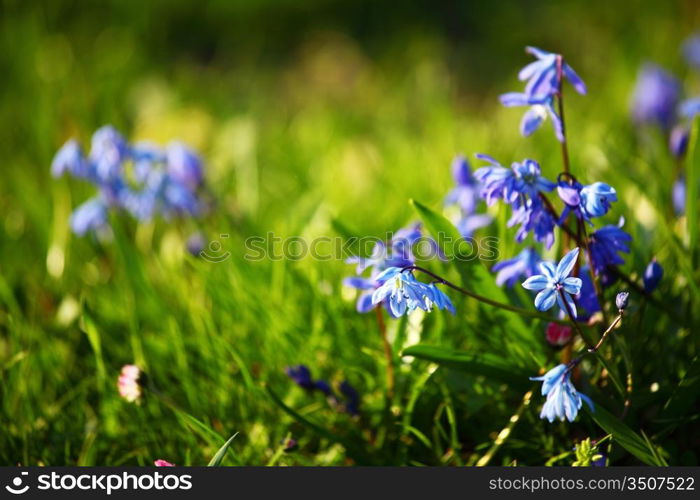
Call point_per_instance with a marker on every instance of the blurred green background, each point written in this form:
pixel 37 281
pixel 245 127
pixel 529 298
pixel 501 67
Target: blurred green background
pixel 308 114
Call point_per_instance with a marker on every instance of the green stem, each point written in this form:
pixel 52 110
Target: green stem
pixel 485 300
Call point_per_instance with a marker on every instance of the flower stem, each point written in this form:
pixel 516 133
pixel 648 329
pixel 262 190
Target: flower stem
pixel 573 319
pixel 485 300
pixel 605 334
pixel 560 104
pixel 388 354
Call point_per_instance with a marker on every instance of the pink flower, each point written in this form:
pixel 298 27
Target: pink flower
pixel 128 383
pixel 558 335
pixel 163 463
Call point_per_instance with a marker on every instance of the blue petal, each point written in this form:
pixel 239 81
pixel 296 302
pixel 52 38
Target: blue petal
pixel 574 79
pixel 537 282
pixel 572 285
pixel 531 121
pixel 566 264
pixel 548 269
pixel 545 299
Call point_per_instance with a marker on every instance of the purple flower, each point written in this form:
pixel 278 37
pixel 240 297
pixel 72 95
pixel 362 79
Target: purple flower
pixel 652 275
pixel 604 245
pixel 555 284
pixel 655 97
pixel 563 400
pixel 524 264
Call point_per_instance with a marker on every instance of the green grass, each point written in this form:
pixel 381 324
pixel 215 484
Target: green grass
pixel 335 131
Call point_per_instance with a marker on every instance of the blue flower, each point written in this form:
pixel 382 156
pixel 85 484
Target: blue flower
pixel 405 293
pixel 107 152
pixel 596 198
pixel 467 224
pixel 690 107
pixel 89 217
pixel 70 159
pixel 533 216
pixel 541 107
pixel 352 398
pixel 511 270
pixel 497 181
pixel 691 51
pixel 301 375
pixel 466 192
pixel 541 75
pixel 440 300
pixel 142 179
pixel 679 195
pixel 655 97
pixel 587 299
pixel 367 285
pixel 555 285
pixel 678 140
pixel 603 246
pixel 184 165
pixel 513 185
pixel 563 400
pixel 652 276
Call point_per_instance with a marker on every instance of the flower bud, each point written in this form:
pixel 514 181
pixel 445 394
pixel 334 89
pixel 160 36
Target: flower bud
pixel 622 300
pixel 558 335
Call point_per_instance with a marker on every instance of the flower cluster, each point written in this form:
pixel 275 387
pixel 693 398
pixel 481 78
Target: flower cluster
pixel 657 100
pixel 391 283
pixel 544 79
pixel 348 401
pixel 521 186
pixel 563 400
pixel 141 179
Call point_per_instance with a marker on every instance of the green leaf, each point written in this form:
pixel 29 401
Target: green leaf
pixel 216 460
pixel 473 271
pixel 88 326
pixel 626 437
pixel 685 395
pixel 491 366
